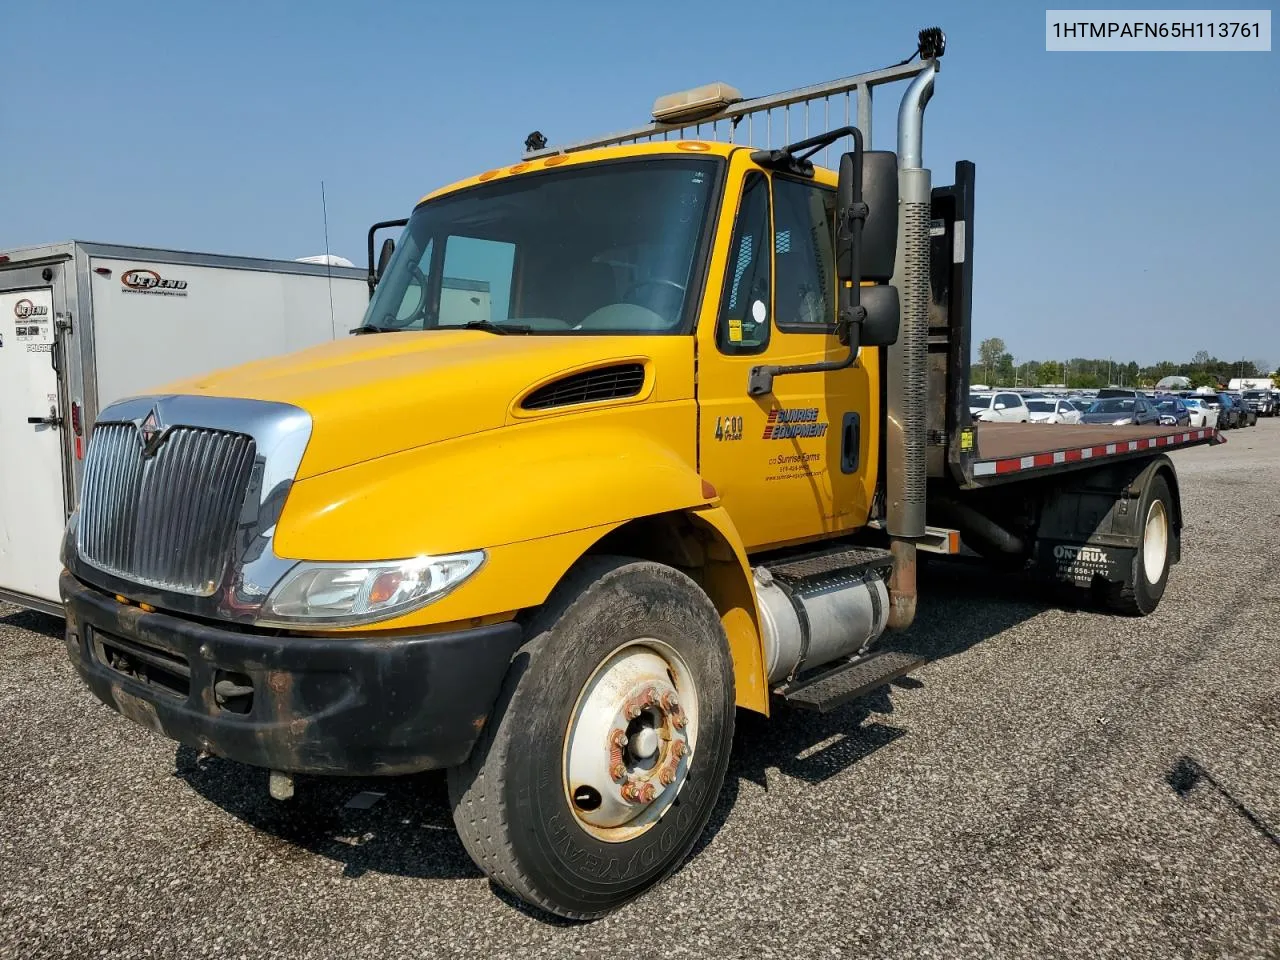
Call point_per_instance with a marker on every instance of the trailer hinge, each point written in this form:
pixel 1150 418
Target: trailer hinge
pixel 62 321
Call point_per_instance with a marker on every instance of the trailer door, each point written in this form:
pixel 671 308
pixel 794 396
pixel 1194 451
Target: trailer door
pixel 32 513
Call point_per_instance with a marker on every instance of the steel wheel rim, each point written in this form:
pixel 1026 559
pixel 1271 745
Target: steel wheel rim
pixel 1155 541
pixel 630 740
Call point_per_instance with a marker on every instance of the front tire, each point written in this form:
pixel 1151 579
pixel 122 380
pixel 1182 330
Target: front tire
pixel 607 748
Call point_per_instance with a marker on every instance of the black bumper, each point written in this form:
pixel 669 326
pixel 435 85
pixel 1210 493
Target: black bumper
pixel 326 705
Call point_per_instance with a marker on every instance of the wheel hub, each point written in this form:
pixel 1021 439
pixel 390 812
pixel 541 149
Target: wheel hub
pixel 1155 542
pixel 630 740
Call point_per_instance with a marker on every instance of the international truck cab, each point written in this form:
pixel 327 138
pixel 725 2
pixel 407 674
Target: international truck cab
pixel 633 433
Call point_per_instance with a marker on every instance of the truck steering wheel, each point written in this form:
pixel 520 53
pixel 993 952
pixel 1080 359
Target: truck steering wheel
pixel 629 296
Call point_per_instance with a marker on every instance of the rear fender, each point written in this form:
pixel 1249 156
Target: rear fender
pixel 1090 524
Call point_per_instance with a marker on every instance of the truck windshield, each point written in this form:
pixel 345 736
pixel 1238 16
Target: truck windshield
pixel 592 249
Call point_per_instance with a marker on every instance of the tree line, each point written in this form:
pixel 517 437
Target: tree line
pixel 996 367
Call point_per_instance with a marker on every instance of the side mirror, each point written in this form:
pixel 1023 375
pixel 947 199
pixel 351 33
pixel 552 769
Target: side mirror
pixel 880 328
pixel 879 191
pixel 387 247
pixel 384 256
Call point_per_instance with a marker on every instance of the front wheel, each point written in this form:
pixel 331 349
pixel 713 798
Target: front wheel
pixel 605 753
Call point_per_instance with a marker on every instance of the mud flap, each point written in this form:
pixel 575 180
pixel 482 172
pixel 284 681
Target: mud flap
pixel 1079 564
pixel 1091 526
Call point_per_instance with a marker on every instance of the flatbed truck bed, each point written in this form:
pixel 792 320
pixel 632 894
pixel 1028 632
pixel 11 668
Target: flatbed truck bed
pixel 1011 451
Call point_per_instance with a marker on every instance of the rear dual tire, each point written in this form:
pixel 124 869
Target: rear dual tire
pixel 1139 594
pixel 625 660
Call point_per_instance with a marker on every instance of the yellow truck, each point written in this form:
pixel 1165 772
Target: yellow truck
pixel 635 433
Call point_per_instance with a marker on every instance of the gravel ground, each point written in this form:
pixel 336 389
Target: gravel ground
pixel 1058 783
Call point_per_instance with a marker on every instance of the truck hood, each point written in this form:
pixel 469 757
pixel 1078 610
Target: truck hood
pixel 374 395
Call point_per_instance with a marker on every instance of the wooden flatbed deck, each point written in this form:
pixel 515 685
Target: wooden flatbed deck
pixel 1001 449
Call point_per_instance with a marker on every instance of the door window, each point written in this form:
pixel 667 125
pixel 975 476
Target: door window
pixel 804 255
pixel 743 326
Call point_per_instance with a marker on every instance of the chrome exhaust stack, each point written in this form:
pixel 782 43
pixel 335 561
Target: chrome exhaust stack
pixel 907 371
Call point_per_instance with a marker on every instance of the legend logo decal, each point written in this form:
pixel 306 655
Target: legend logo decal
pixel 788 422
pixel 142 280
pixel 25 308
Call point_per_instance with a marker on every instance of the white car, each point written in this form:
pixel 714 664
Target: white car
pixel 999 407
pixel 1203 413
pixel 1049 410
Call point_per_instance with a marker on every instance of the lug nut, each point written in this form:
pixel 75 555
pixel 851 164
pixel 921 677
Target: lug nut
pixel 617 740
pixel 638 793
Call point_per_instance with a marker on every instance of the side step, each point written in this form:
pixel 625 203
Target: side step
pixel 849 680
pixel 851 561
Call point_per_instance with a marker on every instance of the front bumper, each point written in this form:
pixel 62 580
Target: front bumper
pixel 326 705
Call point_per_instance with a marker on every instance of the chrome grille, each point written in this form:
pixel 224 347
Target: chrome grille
pixel 167 520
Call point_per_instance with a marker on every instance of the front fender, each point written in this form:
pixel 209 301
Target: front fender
pixel 534 495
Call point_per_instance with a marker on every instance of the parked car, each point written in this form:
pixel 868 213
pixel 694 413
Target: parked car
pixel 1121 411
pixel 1229 418
pixel 999 407
pixel 1173 412
pixel 1049 410
pixel 1248 416
pixel 1260 402
pixel 1204 410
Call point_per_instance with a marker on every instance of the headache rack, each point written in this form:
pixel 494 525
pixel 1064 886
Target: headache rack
pixel 774 120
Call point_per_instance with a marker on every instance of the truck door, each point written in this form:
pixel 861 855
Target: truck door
pixel 799 462
pixel 32 513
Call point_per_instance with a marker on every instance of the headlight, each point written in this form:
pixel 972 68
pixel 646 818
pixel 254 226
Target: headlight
pixel 1169 421
pixel 347 594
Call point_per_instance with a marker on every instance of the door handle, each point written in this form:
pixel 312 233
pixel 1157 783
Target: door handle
pixel 850 442
pixel 49 421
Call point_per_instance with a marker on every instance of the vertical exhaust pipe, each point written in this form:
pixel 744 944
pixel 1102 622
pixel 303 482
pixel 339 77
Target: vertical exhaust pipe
pixel 907 362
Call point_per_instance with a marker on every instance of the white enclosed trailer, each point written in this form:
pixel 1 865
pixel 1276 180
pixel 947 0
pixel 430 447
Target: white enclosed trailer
pixel 85 324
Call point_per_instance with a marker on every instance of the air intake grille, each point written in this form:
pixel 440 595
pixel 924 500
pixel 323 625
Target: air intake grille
pixel 606 383
pixel 167 520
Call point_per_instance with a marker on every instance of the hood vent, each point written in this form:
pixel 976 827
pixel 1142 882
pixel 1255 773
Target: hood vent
pixel 604 383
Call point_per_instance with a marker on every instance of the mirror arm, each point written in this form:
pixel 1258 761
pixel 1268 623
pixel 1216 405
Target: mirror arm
pixel 373 272
pixel 851 311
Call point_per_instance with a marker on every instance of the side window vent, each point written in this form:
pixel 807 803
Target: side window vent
pixel 606 383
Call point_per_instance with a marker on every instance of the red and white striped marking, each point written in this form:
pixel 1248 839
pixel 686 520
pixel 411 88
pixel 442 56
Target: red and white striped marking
pixel 991 468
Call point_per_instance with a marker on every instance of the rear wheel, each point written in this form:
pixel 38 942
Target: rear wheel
pixel 605 753
pixel 1140 593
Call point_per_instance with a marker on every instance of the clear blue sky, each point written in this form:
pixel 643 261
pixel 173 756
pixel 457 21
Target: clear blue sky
pixel 1127 203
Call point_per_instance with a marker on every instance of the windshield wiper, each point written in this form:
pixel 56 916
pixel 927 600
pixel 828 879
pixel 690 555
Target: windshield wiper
pixel 503 328
pixel 367 328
